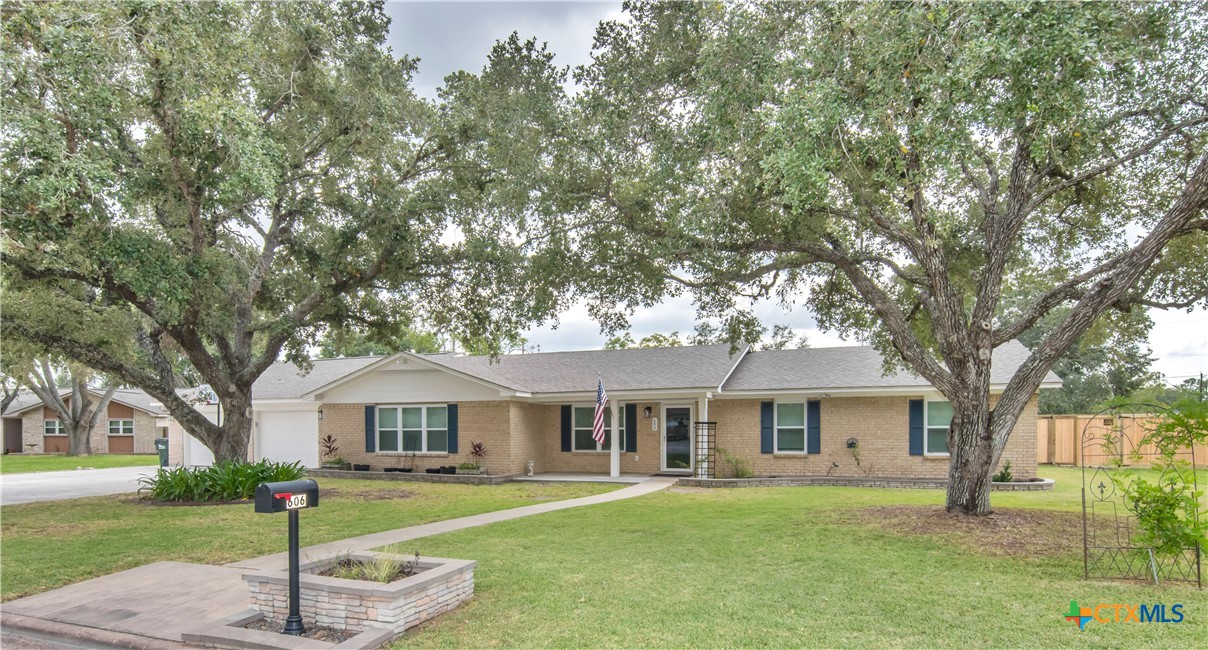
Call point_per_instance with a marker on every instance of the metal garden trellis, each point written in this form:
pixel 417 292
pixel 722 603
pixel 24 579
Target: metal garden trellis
pixel 1110 548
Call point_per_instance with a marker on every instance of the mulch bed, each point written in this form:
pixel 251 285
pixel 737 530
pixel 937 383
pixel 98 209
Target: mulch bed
pixel 153 502
pixel 328 634
pixel 1012 532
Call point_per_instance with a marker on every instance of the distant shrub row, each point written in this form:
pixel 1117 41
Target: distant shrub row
pixel 224 481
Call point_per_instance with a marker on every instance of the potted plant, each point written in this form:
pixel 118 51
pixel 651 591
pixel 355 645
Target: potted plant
pixel 477 451
pixel 331 453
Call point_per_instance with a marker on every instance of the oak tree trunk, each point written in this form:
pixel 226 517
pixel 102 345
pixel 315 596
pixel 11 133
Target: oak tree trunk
pixel 79 436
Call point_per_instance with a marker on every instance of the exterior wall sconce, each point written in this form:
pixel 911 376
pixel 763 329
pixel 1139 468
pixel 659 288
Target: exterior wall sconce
pixel 646 412
pixel 320 414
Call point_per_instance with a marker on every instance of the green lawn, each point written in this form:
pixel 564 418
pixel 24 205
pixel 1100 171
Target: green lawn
pixel 794 567
pixel 47 545
pixel 20 463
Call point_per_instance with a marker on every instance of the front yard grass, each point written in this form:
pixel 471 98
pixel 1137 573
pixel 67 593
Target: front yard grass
pixel 775 567
pixel 21 463
pixel 47 545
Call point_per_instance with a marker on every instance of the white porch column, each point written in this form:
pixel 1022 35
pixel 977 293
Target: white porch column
pixel 702 415
pixel 614 465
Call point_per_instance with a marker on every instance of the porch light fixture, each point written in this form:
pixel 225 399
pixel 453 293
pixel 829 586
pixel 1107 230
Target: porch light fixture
pixel 646 412
pixel 320 414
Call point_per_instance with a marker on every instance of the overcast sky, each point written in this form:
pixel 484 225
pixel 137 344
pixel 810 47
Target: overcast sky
pixel 451 36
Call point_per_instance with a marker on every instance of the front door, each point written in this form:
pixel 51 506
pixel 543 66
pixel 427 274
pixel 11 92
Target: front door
pixel 677 437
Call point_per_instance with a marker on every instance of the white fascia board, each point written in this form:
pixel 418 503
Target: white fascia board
pixel 649 395
pixel 854 391
pixel 734 367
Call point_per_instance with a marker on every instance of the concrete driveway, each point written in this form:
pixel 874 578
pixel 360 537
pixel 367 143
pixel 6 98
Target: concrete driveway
pixel 70 484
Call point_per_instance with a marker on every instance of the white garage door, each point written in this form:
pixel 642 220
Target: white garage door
pixel 197 453
pixel 288 436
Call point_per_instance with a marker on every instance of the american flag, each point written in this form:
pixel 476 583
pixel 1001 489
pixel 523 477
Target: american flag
pixel 597 428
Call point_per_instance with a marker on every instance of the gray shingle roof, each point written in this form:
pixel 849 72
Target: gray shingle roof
pixel 284 380
pixel 848 367
pixel 704 366
pixel 135 397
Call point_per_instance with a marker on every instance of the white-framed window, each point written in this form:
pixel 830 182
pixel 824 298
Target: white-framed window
pixel 584 417
pixel 938 418
pixel 413 428
pixel 790 427
pixel 52 427
pixel 121 427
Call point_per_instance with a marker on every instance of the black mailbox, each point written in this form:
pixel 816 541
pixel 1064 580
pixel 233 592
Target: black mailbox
pixel 287 495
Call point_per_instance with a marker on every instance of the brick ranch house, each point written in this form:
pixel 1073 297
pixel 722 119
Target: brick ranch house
pixel 132 424
pixel 785 412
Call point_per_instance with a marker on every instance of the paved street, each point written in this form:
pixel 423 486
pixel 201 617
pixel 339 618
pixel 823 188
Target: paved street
pixel 51 486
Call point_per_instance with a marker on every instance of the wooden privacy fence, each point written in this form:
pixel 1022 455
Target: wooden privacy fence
pixel 1060 439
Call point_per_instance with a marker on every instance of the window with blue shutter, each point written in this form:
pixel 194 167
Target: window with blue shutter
pixel 813 427
pixel 452 419
pixel 631 428
pixel 567 414
pixel 916 427
pixel 765 427
pixel 370 429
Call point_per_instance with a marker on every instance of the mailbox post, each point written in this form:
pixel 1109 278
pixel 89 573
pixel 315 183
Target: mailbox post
pixel 290 496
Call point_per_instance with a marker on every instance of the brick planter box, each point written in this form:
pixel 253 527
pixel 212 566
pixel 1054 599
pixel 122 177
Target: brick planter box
pixel 358 605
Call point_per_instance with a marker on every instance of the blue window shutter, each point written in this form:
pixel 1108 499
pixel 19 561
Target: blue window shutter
pixel 452 428
pixel 370 428
pixel 566 417
pixel 765 427
pixel 813 427
pixel 631 428
pixel 916 427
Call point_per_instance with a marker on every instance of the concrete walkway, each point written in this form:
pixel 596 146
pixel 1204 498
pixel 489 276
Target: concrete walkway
pixel 149 607
pixel 70 484
pixel 374 540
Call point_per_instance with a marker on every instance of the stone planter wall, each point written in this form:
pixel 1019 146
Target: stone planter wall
pixel 357 605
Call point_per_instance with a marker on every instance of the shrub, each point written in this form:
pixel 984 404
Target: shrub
pixel 739 467
pixel 224 481
pixel 378 569
pixel 1004 475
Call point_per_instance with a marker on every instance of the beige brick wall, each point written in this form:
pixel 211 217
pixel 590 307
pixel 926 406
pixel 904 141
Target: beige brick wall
pixel 144 432
pixel 485 422
pixel 880 424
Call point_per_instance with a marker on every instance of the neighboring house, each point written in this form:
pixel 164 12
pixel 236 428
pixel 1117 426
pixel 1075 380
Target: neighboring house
pixel 785 412
pixel 131 425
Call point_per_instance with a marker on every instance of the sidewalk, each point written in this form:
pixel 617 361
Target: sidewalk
pixel 157 602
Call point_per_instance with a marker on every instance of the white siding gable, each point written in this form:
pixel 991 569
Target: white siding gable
pixel 406 386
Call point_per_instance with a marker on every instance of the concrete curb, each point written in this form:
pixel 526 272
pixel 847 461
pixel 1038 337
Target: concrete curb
pixel 94 637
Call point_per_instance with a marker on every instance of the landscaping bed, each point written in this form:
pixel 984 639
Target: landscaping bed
pixel 856 481
pixel 415 477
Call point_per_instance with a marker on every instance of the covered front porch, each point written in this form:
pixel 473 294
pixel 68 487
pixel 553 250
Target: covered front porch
pixel 657 435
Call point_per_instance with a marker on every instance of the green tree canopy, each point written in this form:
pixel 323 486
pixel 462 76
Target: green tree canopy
pixel 896 166
pixel 225 181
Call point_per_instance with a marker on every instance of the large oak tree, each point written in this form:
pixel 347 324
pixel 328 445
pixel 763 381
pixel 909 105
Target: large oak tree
pixel 226 181
pixel 900 165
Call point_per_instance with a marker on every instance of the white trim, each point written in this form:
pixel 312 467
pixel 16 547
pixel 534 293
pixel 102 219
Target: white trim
pixel 398 429
pixel 858 391
pixel 738 360
pixel 608 426
pixel 805 427
pixel 663 436
pixel 109 427
pixel 927 429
